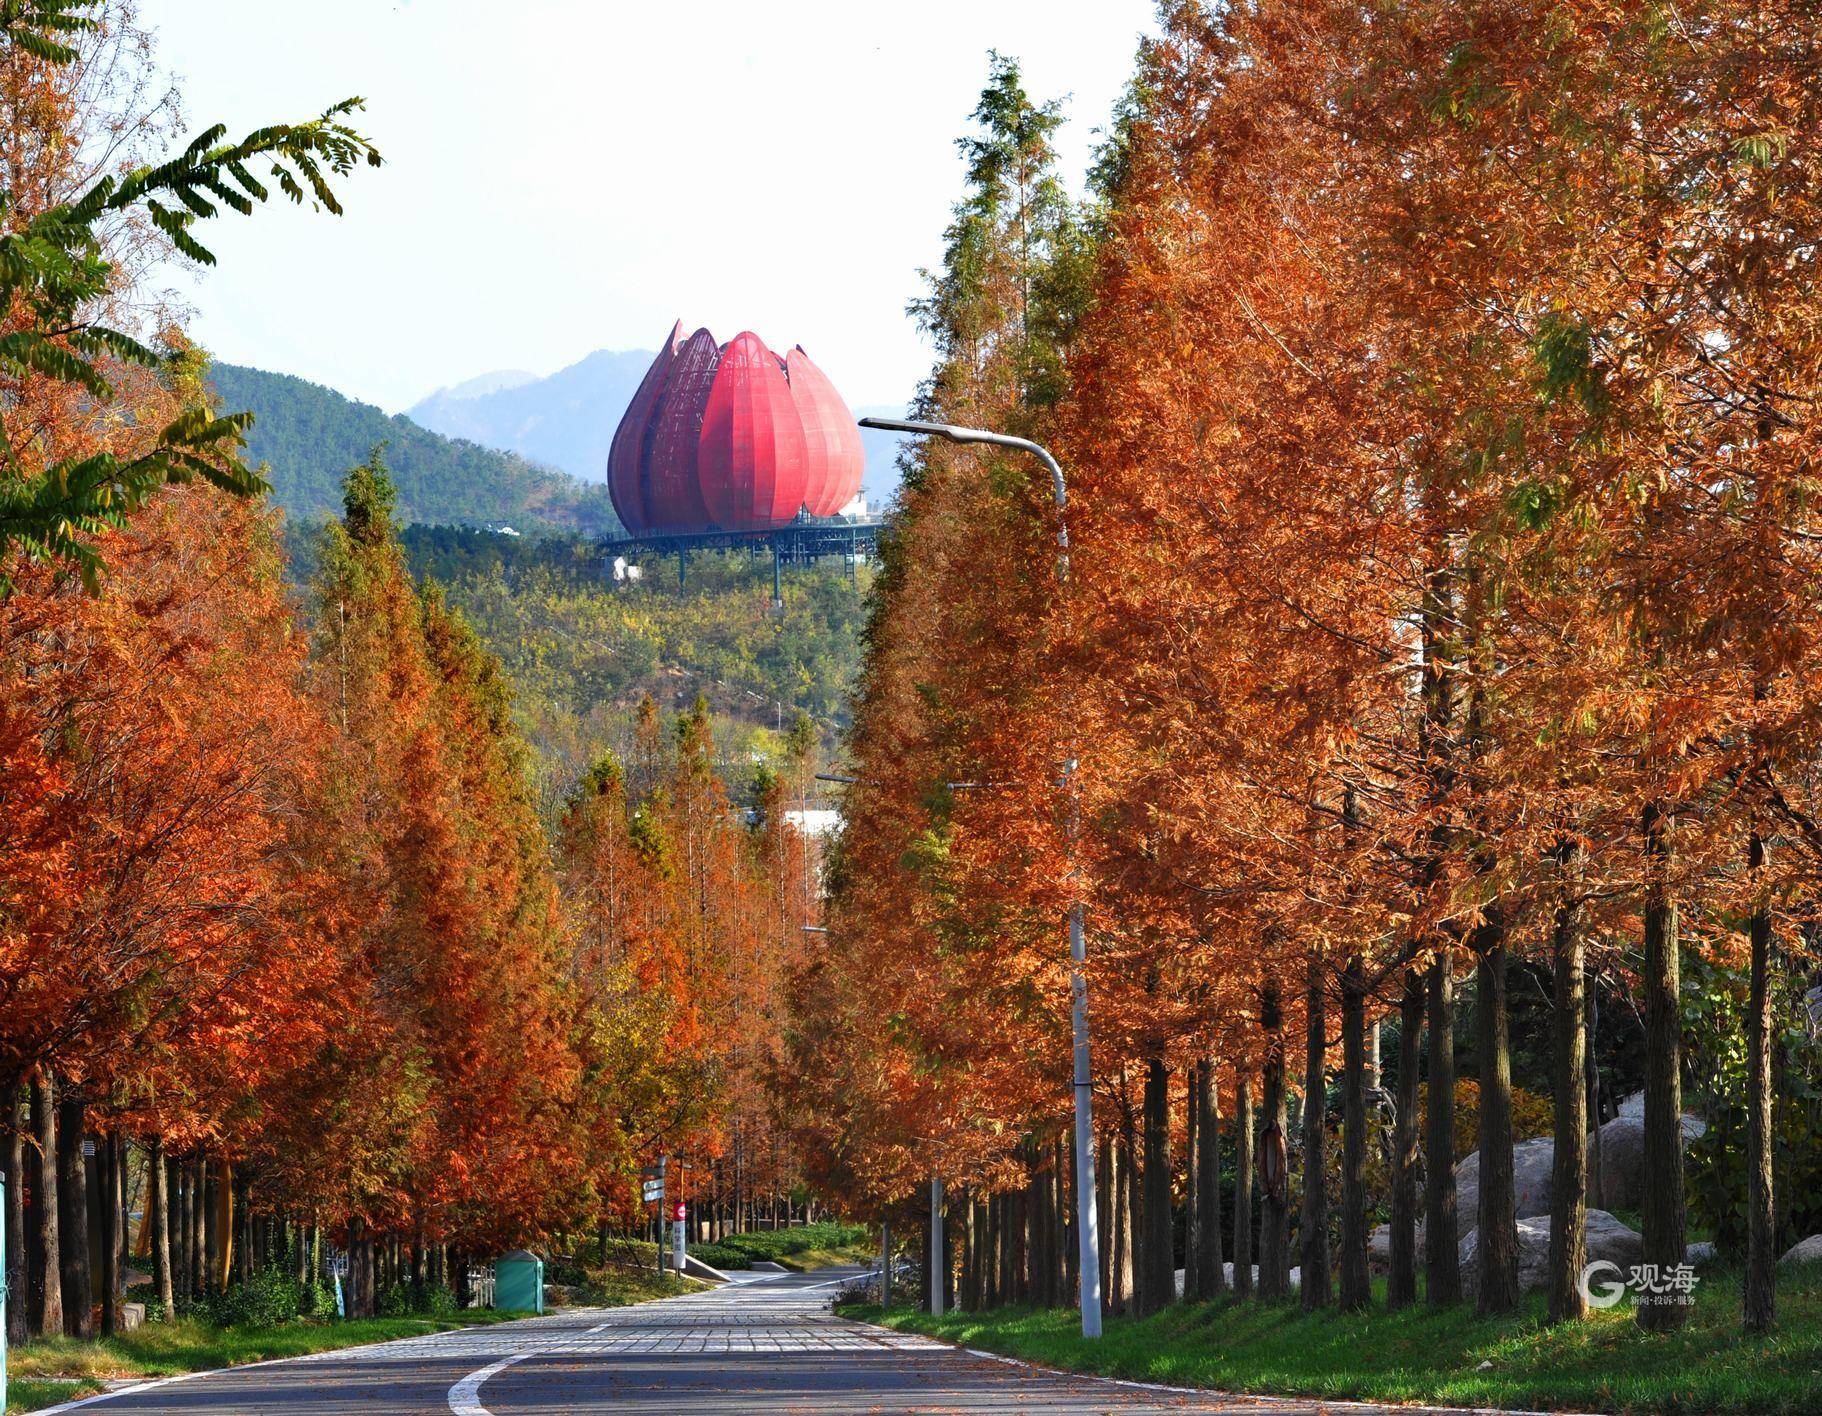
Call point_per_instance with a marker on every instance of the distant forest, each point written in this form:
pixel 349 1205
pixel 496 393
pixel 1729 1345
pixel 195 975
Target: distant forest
pixel 309 436
pixel 582 651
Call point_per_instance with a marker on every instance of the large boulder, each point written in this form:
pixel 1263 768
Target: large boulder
pixel 1531 1165
pixel 1607 1239
pixel 1622 1153
pixel 1809 1251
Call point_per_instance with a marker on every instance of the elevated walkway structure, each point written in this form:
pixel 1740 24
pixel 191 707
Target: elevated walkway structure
pixel 798 543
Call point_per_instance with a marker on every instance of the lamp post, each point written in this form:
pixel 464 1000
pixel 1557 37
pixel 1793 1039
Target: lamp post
pixel 1088 1264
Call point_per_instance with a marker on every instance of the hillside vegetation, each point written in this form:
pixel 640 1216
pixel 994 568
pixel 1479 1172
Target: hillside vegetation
pixel 309 436
pixel 582 652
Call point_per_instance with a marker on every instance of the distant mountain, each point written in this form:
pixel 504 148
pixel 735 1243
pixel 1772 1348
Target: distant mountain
pixel 482 384
pixel 310 435
pixel 568 419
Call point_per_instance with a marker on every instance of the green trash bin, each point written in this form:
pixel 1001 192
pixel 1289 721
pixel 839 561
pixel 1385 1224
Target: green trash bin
pixel 518 1282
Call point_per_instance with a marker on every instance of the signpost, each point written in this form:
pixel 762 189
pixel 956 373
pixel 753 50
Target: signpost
pixel 679 1214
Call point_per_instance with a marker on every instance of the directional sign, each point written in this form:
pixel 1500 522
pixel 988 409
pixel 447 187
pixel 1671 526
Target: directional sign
pixel 654 1190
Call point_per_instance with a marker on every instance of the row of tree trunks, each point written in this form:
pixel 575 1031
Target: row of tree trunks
pixel 1017 1244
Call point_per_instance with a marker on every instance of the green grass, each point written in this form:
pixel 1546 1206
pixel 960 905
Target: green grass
pixel 48 1370
pixel 800 1248
pixel 1449 1357
pixel 616 1287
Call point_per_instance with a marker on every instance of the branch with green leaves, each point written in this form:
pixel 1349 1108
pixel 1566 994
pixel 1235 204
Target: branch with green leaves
pixel 54 272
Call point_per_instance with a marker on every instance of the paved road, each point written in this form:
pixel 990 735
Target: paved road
pixel 765 1346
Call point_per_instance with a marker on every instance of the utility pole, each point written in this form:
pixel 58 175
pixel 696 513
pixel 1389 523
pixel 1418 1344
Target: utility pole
pixel 1088 1257
pixel 938 1269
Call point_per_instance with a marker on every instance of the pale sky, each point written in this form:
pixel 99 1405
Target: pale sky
pixel 570 175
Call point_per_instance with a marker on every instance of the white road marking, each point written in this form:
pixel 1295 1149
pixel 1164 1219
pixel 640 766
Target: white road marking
pixel 465 1395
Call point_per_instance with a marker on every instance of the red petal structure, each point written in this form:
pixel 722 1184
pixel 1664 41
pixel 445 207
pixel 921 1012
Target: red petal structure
pixel 626 457
pixel 750 464
pixel 673 500
pixel 732 438
pixel 831 438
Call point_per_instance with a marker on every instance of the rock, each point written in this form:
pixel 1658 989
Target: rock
pixel 1607 1239
pixel 1227 1270
pixel 1622 1177
pixel 1807 1252
pixel 1611 1240
pixel 1531 1166
pixel 1699 1253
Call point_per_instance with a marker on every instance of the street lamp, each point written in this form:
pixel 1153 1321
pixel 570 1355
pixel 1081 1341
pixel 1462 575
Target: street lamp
pixel 1088 1252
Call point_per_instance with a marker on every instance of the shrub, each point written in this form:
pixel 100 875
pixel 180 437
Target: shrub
pixel 268 1299
pixel 721 1256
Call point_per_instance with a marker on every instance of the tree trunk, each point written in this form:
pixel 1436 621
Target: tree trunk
pixel 1568 1175
pixel 1130 1212
pixel 73 1197
pixel 1442 1262
pixel 105 1160
pixel 1662 1206
pixel 158 1178
pixel 358 1299
pixel 123 1224
pixel 1596 1194
pixel 195 1266
pixel 1356 1282
pixel 47 1297
pixel 1158 1283
pixel 1244 1250
pixel 1401 1281
pixel 221 1226
pixel 1192 1167
pixel 1274 1208
pixel 1760 1296
pixel 16 1277
pixel 1498 1219
pixel 1210 1277
pixel 1313 1234
pixel 242 1227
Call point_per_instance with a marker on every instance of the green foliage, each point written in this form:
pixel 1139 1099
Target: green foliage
pixel 1564 351
pixel 783 1246
pixel 55 272
pixel 1019 253
pixel 267 1299
pixel 582 651
pixel 1714 1033
pixel 308 436
pixel 405 1299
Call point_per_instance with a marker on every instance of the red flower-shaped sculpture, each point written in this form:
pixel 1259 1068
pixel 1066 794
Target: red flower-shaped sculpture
pixel 731 437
